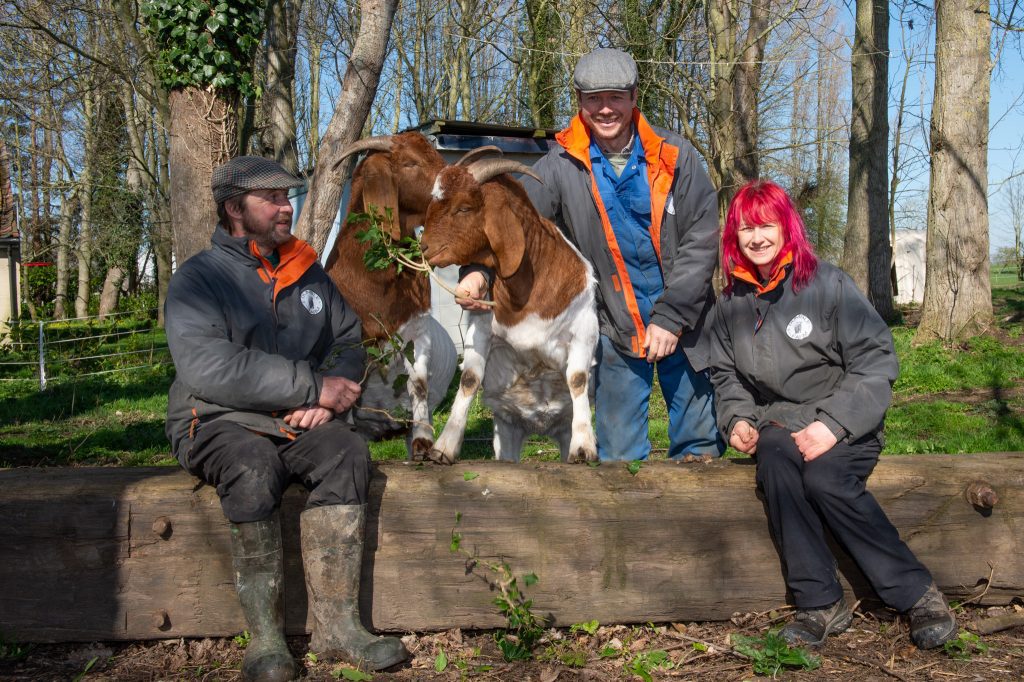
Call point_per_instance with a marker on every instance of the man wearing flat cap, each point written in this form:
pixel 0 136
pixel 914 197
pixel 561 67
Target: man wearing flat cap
pixel 269 360
pixel 637 203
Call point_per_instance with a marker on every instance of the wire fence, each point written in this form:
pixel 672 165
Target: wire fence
pixel 51 351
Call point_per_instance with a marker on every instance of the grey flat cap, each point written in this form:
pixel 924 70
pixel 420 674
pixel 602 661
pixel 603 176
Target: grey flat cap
pixel 246 173
pixel 605 69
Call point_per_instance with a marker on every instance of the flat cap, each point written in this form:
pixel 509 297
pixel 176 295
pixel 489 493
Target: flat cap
pixel 605 69
pixel 247 173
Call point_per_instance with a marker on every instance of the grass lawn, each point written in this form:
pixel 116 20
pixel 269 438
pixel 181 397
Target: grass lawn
pixel 965 399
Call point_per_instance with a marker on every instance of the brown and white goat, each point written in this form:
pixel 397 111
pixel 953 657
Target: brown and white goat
pixel 533 353
pixel 398 174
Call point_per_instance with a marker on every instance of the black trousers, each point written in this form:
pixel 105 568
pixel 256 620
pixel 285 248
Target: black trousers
pixel 830 491
pixel 251 471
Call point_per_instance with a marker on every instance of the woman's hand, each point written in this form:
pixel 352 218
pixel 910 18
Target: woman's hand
pixel 814 441
pixel 744 437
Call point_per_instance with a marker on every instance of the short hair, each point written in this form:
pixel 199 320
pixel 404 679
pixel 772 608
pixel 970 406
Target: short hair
pixel 222 213
pixel 757 203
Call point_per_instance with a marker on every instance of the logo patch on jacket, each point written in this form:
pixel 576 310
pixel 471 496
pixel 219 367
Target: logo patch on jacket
pixel 311 301
pixel 799 328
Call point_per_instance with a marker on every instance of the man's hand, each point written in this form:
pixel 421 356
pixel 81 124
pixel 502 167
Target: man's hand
pixel 659 343
pixel 308 417
pixel 744 437
pixel 471 291
pixel 814 440
pixel 339 394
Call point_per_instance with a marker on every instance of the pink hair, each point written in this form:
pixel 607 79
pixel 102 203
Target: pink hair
pixel 757 203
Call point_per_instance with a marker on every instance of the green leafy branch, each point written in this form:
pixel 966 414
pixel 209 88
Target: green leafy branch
pixel 384 251
pixel 523 628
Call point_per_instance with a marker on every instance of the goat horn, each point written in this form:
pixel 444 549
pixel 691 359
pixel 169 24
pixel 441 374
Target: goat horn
pixel 485 169
pixel 468 157
pixel 380 143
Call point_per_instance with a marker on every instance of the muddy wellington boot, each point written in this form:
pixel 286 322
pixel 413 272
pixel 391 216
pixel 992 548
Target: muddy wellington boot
pixel 332 557
pixel 259 580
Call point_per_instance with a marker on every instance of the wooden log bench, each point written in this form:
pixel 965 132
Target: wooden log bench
pixel 143 553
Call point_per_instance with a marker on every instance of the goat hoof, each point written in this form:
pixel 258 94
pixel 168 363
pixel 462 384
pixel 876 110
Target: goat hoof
pixel 420 450
pixel 582 455
pixel 442 457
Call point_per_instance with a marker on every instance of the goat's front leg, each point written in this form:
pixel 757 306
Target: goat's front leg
pixel 583 444
pixel 421 433
pixel 449 444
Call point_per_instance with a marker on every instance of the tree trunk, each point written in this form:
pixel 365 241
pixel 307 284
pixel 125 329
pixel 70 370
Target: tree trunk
pixel 145 553
pixel 64 236
pixel 867 254
pixel 957 289
pixel 358 89
pixel 278 99
pixel 111 293
pixel 204 134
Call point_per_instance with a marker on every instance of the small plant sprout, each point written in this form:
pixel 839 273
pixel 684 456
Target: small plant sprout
pixel 524 629
pixel 440 661
pixel 644 663
pixel 964 646
pixel 590 627
pixel 243 639
pixel 634 467
pixel 770 654
pixel 351 674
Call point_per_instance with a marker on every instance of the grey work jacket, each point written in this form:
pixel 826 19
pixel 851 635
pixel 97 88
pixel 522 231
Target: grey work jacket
pixel 249 342
pixel 688 240
pixel 820 354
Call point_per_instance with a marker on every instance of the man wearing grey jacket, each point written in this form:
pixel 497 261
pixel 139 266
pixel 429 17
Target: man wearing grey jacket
pixel 268 360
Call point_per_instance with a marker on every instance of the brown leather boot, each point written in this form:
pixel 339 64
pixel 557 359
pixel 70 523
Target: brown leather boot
pixel 932 624
pixel 811 627
pixel 332 557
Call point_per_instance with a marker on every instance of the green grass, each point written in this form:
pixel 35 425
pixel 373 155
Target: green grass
pixel 964 399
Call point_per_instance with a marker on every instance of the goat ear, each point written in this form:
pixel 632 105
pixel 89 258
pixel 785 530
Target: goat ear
pixel 380 192
pixel 504 231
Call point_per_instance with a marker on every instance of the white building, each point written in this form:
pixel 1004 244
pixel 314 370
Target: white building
pixel 910 261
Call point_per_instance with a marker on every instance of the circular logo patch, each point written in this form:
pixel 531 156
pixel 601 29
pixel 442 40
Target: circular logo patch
pixel 799 328
pixel 311 301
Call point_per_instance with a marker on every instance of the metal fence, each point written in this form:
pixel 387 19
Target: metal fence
pixel 55 350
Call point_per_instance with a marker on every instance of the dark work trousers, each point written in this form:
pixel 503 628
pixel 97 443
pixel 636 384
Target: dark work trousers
pixel 251 470
pixel 831 490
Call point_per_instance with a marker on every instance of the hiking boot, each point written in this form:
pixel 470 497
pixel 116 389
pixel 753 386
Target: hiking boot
pixel 257 560
pixel 811 627
pixel 932 623
pixel 332 557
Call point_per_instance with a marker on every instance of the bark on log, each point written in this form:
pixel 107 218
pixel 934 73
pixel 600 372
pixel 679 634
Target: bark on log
pixel 104 553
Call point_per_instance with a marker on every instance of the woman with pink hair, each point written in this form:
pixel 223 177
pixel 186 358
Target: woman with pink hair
pixel 803 369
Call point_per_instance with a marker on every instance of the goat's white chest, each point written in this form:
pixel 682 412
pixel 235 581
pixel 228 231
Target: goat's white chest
pixel 548 339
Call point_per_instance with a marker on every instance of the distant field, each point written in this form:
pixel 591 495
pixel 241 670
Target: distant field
pixel 965 399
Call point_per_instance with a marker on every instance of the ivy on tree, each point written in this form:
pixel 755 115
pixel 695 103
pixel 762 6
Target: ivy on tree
pixel 205 44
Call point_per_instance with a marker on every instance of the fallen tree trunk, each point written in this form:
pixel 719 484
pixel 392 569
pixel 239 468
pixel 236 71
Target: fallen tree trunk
pixel 106 554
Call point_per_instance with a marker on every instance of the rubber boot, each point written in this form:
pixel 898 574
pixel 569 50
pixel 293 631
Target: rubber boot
pixel 258 565
pixel 332 557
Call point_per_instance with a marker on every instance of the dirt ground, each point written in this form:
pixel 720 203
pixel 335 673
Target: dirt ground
pixel 876 647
